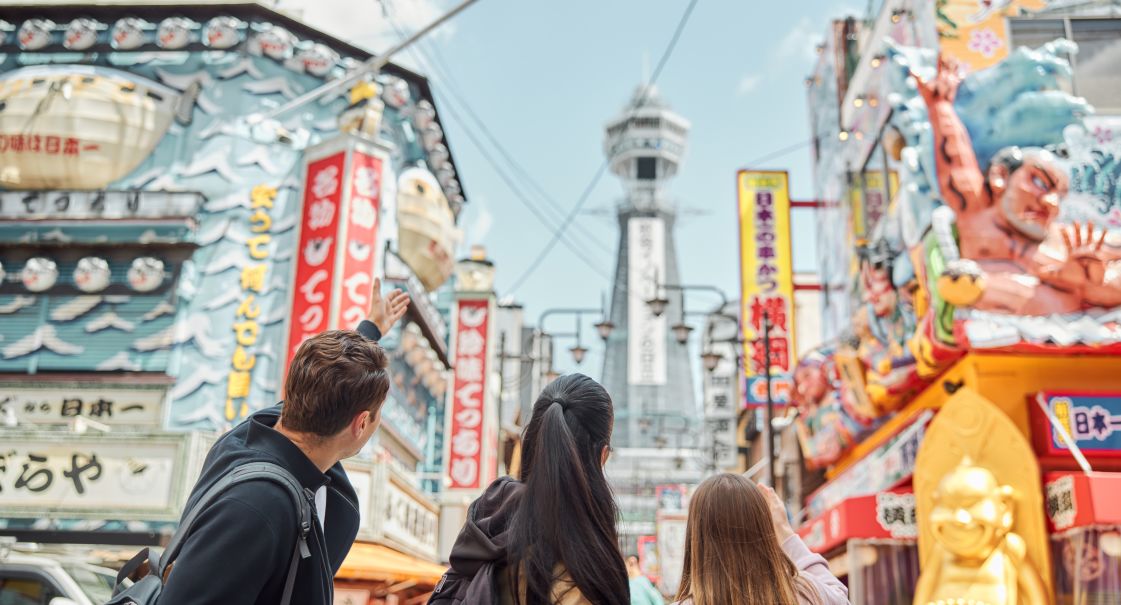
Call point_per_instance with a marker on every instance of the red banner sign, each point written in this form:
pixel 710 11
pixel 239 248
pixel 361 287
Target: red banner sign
pixel 465 439
pixel 360 238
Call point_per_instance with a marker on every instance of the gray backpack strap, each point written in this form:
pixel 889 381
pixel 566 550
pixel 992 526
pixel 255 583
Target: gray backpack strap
pixel 251 471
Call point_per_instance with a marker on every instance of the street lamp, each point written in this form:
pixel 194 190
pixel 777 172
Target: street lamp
pixel 681 332
pixel 658 305
pixel 605 328
pixel 711 359
pixel 578 353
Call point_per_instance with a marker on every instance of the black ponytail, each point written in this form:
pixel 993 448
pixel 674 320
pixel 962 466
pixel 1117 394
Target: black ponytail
pixel 567 513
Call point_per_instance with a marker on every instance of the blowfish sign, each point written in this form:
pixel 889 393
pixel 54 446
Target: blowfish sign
pixel 467 444
pixel 336 251
pixel 767 282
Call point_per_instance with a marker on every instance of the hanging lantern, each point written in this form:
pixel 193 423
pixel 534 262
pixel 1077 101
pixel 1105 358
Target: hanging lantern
pixel 92 274
pixel 80 34
pixel 145 274
pixel 39 274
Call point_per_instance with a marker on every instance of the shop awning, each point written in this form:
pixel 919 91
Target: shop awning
pixel 888 515
pixel 374 562
pixel 1082 500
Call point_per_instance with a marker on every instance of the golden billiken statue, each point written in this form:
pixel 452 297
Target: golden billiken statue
pixel 976 558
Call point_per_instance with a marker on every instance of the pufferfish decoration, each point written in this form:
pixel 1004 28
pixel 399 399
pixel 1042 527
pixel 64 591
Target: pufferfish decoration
pixel 35 33
pixel 146 274
pixel 39 274
pixel 221 33
pixel 81 34
pixel 92 274
pixel 174 33
pixel 128 33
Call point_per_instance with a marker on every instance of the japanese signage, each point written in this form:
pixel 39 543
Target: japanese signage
pixel 672 497
pixel 1061 506
pixel 1082 500
pixel 1093 421
pixel 38 205
pixel 143 475
pixel 767 281
pixel 648 555
pixel 870 199
pixel 887 515
pixel 337 248
pixel 721 407
pixel 646 344
pixel 45 146
pixel 466 434
pixel 57 403
pixel 671 549
pixel 410 521
pixel 361 479
pixel 253 282
pixel 895 513
pixel 884 468
pixel 975 32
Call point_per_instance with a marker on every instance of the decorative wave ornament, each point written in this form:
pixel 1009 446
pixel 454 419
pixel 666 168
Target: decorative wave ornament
pixel 427 230
pixel 80 127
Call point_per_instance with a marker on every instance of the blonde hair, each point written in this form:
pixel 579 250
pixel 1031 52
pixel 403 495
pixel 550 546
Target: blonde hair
pixel 732 553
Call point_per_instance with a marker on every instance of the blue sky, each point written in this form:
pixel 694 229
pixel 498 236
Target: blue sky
pixel 544 77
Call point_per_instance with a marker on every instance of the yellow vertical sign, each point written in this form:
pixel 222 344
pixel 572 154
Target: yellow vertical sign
pixel 767 282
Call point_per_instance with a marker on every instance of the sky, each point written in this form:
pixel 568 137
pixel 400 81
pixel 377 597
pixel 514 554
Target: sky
pixel 544 77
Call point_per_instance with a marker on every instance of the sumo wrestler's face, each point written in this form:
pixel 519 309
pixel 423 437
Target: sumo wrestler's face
pixel 1029 197
pixel 971 521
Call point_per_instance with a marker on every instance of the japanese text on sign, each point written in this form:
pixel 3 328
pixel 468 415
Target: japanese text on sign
pixel 361 233
pixel 465 439
pixel 766 276
pixel 246 325
pixel 1092 420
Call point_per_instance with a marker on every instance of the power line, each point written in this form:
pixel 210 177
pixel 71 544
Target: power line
pixel 603 167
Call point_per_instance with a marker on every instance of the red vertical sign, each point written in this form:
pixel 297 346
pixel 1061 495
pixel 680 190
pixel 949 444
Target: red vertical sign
pixel 315 250
pixel 359 239
pixel 465 437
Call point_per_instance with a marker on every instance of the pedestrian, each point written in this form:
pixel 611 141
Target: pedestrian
pixel 642 591
pixel 548 538
pixel 741 550
pixel 240 547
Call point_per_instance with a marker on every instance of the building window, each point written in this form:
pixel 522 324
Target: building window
pixel 647 170
pixel 1096 77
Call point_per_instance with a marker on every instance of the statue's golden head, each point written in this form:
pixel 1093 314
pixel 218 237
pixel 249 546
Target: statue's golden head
pixel 972 512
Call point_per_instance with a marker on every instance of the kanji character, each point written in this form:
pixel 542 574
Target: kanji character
pixel 237 385
pixel 258 246
pixel 1100 428
pixel 36 143
pixel 261 221
pixel 247 332
pixel 17 143
pixel 470 368
pixel 38 480
pixel 54 144
pixel 71 407
pixel 470 343
pixel 248 309
pixel 465 443
pixel 764 199
pixel 253 277
pixel 780 355
pixel 472 317
pixel 764 216
pixel 243 360
pixel 766 252
pixel 70 147
pixel 773 307
pixel 101 407
pixel 76 471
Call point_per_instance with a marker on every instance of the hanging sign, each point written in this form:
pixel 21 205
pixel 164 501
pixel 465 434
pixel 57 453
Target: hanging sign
pixel 767 283
pixel 1093 421
pixel 466 446
pixel 58 403
pixel 646 334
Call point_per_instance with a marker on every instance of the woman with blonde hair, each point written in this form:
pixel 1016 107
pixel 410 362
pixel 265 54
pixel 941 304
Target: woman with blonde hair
pixel 741 550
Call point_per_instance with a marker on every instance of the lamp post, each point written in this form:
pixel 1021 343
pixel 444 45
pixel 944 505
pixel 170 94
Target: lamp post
pixel 604 328
pixel 660 303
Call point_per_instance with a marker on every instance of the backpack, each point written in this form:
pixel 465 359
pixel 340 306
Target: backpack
pixel 146 587
pixel 455 588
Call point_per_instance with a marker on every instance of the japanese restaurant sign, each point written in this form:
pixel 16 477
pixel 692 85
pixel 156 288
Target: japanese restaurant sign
pixel 467 449
pixel 336 253
pixel 767 282
pixel 37 205
pixel 57 403
pixel 1093 421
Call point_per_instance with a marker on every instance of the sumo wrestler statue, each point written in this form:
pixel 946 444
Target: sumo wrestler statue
pixel 976 558
pixel 1015 257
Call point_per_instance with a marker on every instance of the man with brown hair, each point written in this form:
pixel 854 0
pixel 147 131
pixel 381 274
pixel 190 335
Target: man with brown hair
pixel 240 547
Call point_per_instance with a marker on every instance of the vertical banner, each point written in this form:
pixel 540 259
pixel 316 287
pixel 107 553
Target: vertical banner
pixel 336 252
pixel 767 282
pixel 721 408
pixel 671 549
pixel 646 344
pixel 465 439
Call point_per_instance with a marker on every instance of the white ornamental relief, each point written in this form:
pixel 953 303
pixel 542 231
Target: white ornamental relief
pixel 326 182
pixel 465 471
pixel 363 213
pixel 316 250
pixel 320 215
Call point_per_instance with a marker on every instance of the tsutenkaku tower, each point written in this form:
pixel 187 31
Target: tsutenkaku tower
pixel 646 370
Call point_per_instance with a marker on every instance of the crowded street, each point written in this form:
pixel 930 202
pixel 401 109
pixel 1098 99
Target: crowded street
pixel 474 302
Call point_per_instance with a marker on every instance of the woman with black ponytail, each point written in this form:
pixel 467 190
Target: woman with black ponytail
pixel 548 539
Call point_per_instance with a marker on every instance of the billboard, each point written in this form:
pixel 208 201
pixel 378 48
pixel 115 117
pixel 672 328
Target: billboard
pixel 469 432
pixel 646 344
pixel 767 282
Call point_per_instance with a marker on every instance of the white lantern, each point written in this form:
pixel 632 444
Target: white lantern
pixel 92 274
pixel 39 274
pixel 145 274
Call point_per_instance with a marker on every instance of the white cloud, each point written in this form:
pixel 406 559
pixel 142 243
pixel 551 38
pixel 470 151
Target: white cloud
pixel 370 23
pixel 748 84
pixel 484 220
pixel 801 40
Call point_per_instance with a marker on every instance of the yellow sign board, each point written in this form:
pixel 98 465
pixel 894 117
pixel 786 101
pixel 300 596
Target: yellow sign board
pixel 767 282
pixel 975 32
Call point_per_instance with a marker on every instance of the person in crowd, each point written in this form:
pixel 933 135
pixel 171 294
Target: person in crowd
pixel 642 591
pixel 741 550
pixel 240 547
pixel 548 538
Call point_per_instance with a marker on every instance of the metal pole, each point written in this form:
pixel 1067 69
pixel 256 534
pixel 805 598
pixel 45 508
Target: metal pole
pixel 770 399
pixel 372 65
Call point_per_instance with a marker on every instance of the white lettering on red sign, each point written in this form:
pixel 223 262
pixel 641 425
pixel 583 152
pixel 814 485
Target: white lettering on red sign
pixel 465 449
pixel 361 238
pixel 316 257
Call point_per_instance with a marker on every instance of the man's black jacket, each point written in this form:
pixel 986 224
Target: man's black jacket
pixel 239 549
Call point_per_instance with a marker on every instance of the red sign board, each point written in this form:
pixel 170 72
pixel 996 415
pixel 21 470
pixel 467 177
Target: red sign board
pixel 465 440
pixel 888 515
pixel 1082 500
pixel 336 253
